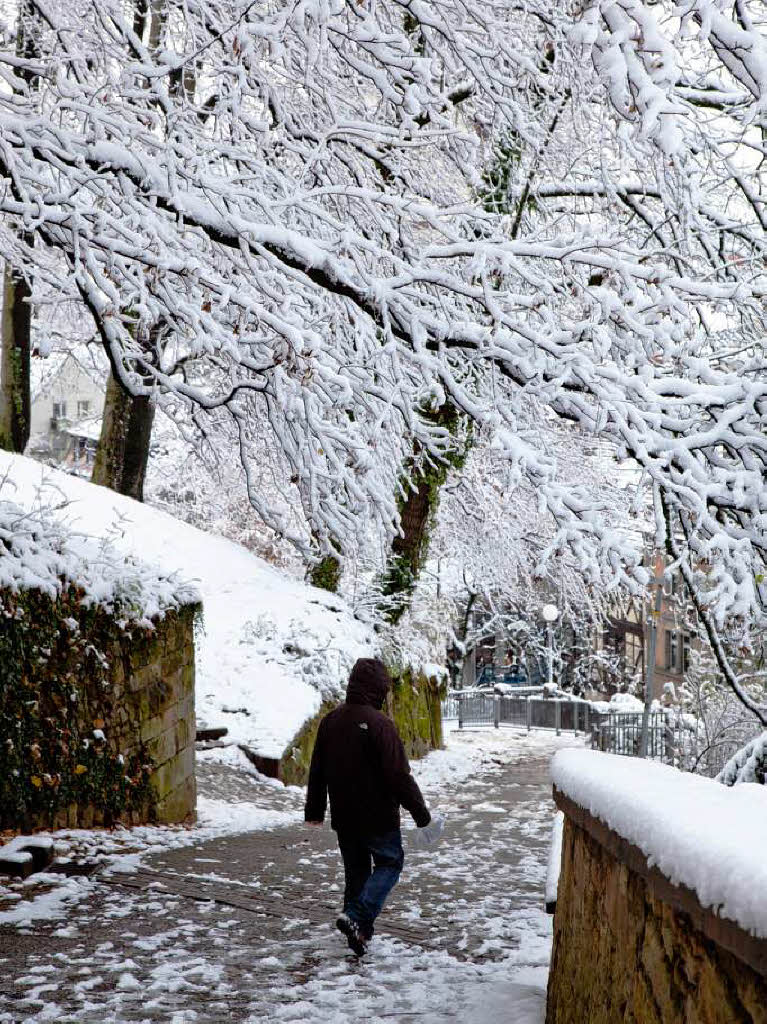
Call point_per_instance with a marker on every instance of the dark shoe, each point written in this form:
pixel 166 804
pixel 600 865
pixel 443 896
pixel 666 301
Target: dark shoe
pixel 353 933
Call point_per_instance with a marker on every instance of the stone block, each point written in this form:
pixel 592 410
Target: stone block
pixel 163 747
pixel 16 863
pixel 185 732
pixel 152 727
pixel 159 696
pixel 144 677
pixel 40 849
pixel 188 673
pixel 141 649
pixel 167 633
pixel 116 673
pixel 172 662
pixel 173 773
pixel 174 684
pixel 178 805
pixel 156 725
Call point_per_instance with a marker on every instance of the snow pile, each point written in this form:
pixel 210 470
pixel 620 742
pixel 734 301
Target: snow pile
pixel 699 834
pixel 748 765
pixel 555 859
pixel 272 648
pixel 622 703
pixel 38 551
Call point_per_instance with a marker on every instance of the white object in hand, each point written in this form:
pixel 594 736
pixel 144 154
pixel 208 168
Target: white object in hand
pixel 430 834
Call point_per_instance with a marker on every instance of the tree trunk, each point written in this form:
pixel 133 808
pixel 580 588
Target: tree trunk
pixel 123 451
pixel 126 428
pixel 408 551
pixel 16 327
pixel 15 337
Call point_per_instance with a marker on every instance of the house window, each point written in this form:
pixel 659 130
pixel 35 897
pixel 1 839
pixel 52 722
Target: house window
pixel 677 652
pixel 672 650
pixel 83 407
pixel 60 410
pixel 633 651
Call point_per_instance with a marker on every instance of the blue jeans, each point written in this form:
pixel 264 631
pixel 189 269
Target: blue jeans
pixel 366 890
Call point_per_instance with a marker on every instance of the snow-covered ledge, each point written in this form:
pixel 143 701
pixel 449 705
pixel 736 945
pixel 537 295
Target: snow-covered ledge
pixel 661 908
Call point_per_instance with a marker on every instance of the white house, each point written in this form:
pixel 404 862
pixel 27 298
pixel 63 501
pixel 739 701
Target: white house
pixel 67 405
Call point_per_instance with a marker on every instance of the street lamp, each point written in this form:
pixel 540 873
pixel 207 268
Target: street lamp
pixel 550 614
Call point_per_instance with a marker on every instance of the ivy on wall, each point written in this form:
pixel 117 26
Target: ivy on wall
pixel 55 697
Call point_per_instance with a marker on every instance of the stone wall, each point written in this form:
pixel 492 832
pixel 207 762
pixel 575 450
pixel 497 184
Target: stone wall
pixel 97 720
pixel 630 946
pixel 414 704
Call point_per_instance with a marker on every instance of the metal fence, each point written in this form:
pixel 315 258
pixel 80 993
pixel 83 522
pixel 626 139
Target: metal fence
pixel 670 735
pixel 471 710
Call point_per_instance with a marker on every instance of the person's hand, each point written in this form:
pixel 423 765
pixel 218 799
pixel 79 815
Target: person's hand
pixel 430 835
pixel 314 824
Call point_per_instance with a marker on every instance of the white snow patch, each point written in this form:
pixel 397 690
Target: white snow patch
pixel 555 858
pixel 44 906
pixel 41 551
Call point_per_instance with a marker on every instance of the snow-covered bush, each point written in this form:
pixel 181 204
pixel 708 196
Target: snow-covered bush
pixel 39 551
pixel 748 765
pixel 724 723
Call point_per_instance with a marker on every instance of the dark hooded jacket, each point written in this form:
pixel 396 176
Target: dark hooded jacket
pixel 360 762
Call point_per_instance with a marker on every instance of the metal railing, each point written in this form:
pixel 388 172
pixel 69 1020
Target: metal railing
pixel 474 709
pixel 671 736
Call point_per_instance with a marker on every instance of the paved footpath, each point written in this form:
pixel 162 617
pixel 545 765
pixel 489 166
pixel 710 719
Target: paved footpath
pixel 239 928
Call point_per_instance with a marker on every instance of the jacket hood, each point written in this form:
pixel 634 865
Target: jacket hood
pixel 369 682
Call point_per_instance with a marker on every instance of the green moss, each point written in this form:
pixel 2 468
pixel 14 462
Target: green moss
pixel 294 766
pixel 326 574
pixel 415 706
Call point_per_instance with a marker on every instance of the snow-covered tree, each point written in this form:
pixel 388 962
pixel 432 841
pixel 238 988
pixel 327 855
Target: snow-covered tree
pixel 272 211
pixel 496 557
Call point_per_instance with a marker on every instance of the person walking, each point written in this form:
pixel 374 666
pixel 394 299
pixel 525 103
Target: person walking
pixel 359 760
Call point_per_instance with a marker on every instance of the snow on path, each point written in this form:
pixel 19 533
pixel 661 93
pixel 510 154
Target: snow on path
pixel 156 957
pixel 271 644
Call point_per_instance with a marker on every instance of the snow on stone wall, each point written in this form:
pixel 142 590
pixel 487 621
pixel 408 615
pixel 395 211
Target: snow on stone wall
pixel 38 551
pixel 628 946
pixel 707 837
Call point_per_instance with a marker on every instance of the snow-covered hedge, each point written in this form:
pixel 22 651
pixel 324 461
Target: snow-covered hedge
pixel 699 834
pixel 39 551
pixel 748 765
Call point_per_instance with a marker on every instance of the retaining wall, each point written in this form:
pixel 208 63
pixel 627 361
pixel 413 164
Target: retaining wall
pixel 631 946
pixel 97 720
